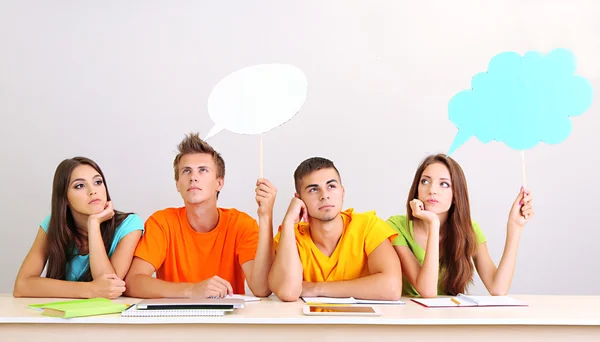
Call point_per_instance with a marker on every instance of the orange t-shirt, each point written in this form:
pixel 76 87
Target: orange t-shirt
pixel 363 232
pixel 180 254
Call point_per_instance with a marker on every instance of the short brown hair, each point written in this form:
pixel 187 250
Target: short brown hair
pixel 311 165
pixel 192 144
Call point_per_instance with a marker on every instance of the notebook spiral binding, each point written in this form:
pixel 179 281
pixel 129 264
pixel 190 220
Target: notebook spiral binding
pixel 133 312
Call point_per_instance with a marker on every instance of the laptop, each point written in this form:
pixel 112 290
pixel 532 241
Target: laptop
pixel 191 304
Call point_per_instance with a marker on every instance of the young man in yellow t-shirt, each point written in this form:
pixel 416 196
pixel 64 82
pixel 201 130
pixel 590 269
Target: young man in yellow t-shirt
pixel 324 251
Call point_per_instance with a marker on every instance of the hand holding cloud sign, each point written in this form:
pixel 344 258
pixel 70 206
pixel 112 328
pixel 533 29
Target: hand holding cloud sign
pixel 256 99
pixel 521 101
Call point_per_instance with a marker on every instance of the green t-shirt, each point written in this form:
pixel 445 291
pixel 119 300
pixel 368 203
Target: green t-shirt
pixel 406 238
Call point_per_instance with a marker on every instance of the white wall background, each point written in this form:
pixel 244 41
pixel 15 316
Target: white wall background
pixel 121 82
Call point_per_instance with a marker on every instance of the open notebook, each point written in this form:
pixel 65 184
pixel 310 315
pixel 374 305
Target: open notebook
pixel 348 300
pixel 79 308
pixel 462 300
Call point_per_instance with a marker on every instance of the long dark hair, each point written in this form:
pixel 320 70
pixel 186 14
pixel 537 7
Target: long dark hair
pixel 63 235
pixel 458 242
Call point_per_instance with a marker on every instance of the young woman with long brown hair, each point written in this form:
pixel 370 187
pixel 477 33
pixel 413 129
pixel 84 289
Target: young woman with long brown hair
pixel 439 246
pixel 86 245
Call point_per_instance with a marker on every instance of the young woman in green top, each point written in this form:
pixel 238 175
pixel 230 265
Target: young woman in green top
pixel 439 246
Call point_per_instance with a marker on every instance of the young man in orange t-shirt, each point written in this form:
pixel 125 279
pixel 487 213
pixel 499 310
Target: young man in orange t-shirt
pixel 334 253
pixel 201 250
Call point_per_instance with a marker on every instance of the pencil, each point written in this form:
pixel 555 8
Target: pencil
pixel 454 300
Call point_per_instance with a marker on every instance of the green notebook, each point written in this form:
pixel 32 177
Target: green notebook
pixel 79 308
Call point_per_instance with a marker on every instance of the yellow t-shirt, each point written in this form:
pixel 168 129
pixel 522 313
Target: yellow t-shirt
pixel 363 232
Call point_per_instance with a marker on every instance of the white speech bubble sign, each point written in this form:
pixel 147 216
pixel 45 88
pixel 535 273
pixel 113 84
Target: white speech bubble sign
pixel 256 99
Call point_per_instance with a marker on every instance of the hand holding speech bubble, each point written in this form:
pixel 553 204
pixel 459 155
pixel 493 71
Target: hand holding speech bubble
pixel 256 99
pixel 521 101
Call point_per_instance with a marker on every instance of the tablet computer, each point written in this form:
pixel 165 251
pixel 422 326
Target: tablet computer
pixel 340 310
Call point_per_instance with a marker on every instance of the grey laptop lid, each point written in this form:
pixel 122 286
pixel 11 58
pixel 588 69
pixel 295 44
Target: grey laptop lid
pixel 190 303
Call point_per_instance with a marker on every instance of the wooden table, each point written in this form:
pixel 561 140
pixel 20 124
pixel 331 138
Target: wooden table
pixel 547 318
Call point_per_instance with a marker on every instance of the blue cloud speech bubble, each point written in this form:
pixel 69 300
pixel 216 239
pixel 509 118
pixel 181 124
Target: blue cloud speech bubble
pixel 521 101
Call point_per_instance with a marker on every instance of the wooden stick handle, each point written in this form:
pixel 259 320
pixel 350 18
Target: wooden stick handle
pixel 261 157
pixel 523 169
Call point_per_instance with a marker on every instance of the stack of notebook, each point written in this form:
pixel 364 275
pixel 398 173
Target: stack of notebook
pixel 176 307
pixel 79 308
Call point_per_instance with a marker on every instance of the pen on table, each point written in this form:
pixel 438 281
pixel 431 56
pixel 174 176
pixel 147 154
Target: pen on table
pixel 455 300
pixel 129 306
